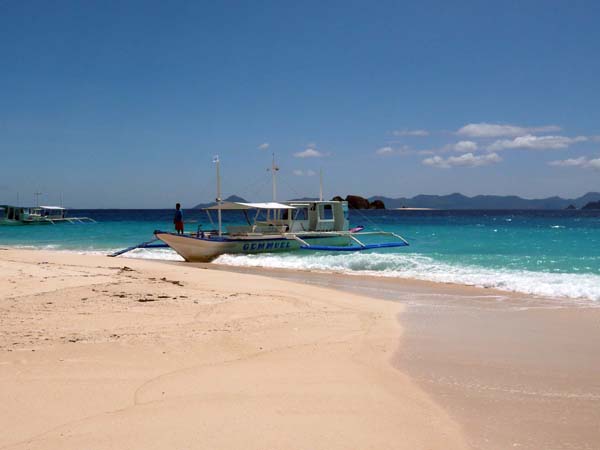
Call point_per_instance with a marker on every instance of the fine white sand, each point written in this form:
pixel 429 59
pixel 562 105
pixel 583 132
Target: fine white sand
pixel 111 353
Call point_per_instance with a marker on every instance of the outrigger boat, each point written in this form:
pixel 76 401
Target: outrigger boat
pixel 37 215
pixel 276 227
pixel 313 225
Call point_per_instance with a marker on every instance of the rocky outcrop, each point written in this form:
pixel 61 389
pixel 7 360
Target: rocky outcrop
pixel 592 205
pixel 358 202
pixel 571 207
pixel 377 204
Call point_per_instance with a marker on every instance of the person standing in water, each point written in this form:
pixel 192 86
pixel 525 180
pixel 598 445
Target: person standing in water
pixel 178 219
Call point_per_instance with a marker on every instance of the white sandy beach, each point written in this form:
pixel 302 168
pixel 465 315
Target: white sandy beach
pixel 111 353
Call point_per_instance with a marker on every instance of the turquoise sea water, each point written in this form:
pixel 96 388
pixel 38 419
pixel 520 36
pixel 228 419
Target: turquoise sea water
pixel 550 253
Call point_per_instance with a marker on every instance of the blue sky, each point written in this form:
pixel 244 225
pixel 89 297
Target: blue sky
pixel 123 104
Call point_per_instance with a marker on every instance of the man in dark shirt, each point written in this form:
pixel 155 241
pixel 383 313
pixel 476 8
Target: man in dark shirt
pixel 178 219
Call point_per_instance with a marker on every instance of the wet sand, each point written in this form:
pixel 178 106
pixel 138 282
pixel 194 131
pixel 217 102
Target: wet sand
pixel 514 371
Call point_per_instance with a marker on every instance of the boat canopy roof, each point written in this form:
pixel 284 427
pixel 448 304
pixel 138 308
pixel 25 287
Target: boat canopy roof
pixel 58 208
pixel 240 205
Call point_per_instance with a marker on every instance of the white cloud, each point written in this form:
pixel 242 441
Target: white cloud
pixel 419 133
pixel 573 162
pixel 531 142
pixel 302 173
pixel 384 151
pixel 263 146
pixel 582 162
pixel 465 146
pixel 491 130
pixel 388 151
pixel 310 153
pixel 466 160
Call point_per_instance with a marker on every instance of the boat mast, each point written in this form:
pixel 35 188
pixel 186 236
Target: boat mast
pixel 37 198
pixel 321 184
pixel 218 163
pixel 274 170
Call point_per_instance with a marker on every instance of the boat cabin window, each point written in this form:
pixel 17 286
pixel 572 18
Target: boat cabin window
pixel 326 212
pixel 301 214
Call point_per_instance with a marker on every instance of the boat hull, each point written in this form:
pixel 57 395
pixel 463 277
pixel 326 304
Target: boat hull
pixel 198 249
pixel 7 222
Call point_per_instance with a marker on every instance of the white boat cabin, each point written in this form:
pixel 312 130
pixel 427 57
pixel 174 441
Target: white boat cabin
pixel 289 217
pixel 48 212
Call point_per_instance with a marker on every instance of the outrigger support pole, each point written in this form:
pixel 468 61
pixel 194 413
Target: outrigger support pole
pixel 302 241
pixel 356 240
pixel 148 244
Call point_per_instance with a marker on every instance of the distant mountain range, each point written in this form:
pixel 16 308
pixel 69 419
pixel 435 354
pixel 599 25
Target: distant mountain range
pixel 459 201
pixel 231 198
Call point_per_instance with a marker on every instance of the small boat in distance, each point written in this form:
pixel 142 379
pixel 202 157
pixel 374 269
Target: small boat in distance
pixel 275 227
pixel 37 215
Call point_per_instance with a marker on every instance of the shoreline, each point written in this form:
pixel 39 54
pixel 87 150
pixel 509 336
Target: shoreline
pixel 506 366
pixel 511 292
pixel 519 348
pixel 356 279
pixel 496 369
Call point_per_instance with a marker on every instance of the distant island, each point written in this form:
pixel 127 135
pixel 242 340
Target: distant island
pixel 460 201
pixel 589 201
pixel 592 205
pixel 231 198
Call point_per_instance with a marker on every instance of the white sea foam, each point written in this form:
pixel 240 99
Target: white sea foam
pixel 154 253
pixel 395 265
pixel 140 253
pixel 577 286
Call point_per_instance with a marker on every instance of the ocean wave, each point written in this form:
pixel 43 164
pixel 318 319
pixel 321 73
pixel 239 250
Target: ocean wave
pixel 576 286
